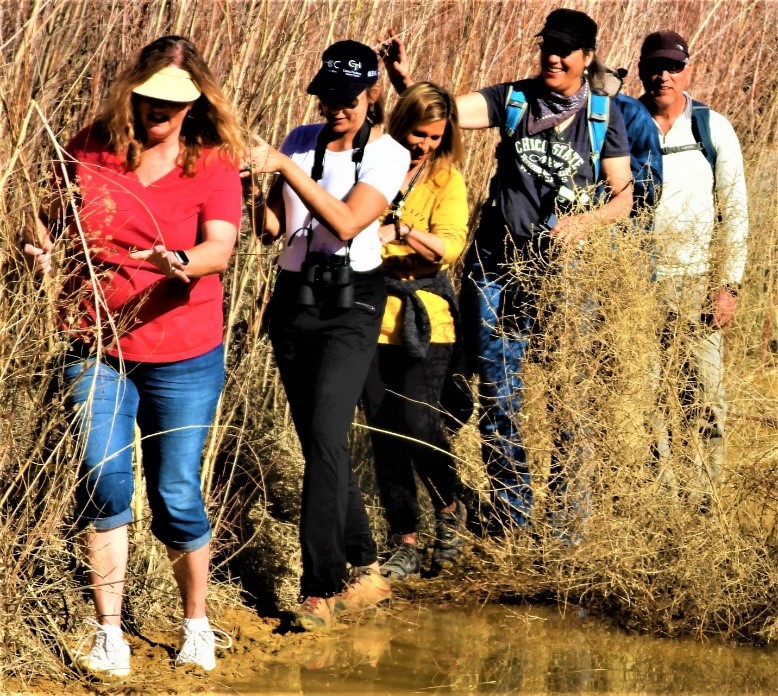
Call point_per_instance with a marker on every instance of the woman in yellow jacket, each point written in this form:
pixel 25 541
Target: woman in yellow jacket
pixel 423 232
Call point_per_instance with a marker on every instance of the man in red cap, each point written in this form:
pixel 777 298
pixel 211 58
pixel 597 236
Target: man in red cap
pixel 703 190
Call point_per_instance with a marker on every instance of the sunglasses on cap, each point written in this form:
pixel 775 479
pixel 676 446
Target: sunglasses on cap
pixel 657 67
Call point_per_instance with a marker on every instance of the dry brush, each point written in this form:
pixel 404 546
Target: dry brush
pixel 648 556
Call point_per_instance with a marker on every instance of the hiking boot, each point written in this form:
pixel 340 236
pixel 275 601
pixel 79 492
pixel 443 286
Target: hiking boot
pixel 313 614
pixel 365 589
pixel 448 536
pixel 109 657
pixel 404 563
pixel 198 647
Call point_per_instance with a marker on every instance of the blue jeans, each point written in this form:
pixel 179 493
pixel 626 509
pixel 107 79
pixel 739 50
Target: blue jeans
pixel 501 317
pixel 500 351
pixel 174 405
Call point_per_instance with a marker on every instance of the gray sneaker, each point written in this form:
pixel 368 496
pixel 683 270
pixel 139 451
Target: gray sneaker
pixel 448 536
pixel 404 563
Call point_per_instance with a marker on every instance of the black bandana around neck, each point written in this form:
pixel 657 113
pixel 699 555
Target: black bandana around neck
pixel 554 108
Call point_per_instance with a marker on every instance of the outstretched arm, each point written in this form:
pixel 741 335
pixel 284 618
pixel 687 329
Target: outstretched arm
pixel 473 111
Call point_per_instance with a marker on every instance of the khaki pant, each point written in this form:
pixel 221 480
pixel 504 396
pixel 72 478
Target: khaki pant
pixel 690 368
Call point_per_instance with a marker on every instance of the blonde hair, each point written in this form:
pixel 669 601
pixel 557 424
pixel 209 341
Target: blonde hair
pixel 209 123
pixel 422 103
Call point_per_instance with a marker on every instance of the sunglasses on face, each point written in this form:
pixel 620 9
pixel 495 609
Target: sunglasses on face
pixel 336 104
pixel 657 67
pixel 553 47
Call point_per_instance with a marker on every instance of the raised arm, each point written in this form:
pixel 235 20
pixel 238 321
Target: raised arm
pixel 392 52
pixel 473 113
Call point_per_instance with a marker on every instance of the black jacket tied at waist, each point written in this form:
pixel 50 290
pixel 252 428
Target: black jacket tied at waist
pixel 416 330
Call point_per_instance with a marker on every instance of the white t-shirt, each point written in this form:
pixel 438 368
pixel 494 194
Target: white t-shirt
pixel 384 165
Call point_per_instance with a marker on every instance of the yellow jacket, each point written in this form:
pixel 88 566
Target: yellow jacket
pixel 437 205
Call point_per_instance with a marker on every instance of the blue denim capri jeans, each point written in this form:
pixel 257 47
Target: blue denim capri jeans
pixel 174 405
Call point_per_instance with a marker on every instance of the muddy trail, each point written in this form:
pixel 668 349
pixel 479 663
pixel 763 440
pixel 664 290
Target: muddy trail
pixel 423 646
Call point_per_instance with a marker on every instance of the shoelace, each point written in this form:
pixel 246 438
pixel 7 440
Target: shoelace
pixel 404 557
pixel 356 575
pixel 447 525
pixel 99 636
pixel 221 639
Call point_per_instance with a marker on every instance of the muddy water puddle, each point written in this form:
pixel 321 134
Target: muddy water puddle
pixel 509 649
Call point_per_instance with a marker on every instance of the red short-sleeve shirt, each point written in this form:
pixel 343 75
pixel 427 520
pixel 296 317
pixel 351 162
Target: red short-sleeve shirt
pixel 143 315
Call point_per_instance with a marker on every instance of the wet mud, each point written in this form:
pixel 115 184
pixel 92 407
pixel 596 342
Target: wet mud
pixel 439 649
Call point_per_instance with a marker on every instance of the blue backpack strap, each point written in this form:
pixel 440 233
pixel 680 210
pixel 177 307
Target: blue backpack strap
pixel 515 106
pixel 701 131
pixel 598 111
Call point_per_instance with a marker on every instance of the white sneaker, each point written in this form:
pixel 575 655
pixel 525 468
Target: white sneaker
pixel 109 657
pixel 198 648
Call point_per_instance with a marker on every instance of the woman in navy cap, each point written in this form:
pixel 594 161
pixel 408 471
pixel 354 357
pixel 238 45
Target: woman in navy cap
pixel 539 198
pixel 335 180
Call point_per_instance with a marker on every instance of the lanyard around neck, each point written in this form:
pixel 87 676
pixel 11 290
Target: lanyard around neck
pixel 396 207
pixel 326 136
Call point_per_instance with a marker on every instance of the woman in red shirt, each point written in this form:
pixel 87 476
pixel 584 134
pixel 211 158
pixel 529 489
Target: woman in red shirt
pixel 152 226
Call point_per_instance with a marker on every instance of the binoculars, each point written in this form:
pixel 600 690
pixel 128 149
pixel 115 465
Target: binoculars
pixel 327 280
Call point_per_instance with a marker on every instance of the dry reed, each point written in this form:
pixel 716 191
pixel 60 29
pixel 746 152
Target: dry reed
pixel 647 557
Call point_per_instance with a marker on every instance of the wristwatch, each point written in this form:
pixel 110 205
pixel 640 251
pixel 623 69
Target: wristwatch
pixel 181 257
pixel 398 230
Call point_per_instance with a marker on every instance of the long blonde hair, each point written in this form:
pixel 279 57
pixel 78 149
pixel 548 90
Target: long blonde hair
pixel 209 123
pixel 422 103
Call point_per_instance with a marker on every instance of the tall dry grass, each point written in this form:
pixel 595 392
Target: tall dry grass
pixel 647 557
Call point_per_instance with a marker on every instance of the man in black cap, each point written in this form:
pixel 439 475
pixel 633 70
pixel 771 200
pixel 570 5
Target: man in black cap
pixel 703 190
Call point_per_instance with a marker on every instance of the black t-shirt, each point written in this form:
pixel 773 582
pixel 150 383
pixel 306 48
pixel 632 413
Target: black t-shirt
pixel 532 168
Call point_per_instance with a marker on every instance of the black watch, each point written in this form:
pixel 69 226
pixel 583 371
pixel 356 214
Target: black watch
pixel 181 257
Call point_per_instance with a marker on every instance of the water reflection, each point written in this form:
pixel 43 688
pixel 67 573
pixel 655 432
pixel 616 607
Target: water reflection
pixel 517 650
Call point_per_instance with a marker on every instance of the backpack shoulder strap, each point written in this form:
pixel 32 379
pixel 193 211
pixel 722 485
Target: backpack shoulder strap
pixel 701 131
pixel 598 112
pixel 515 106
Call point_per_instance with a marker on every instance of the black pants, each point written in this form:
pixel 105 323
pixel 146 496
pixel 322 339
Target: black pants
pixel 402 396
pixel 323 355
